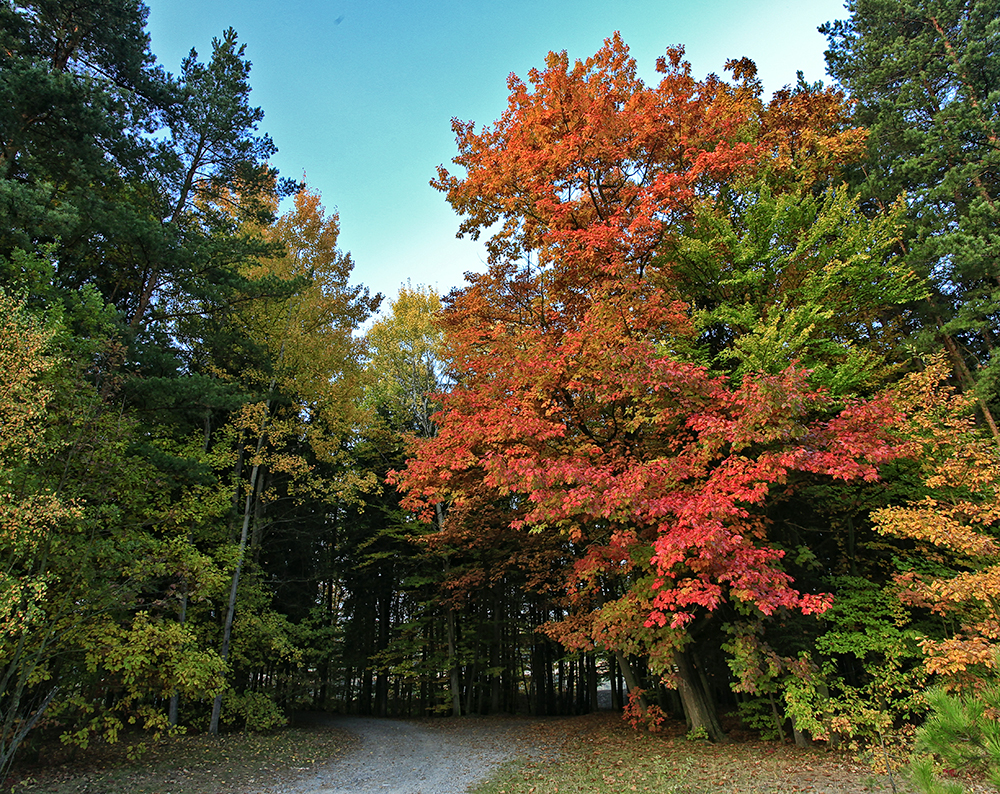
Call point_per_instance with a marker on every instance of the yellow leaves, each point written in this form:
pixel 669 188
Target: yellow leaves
pixel 153 656
pixel 943 526
pixel 969 586
pixel 26 521
pixel 23 362
pixel 953 657
pixel 308 332
pixel 21 601
pixel 405 359
pixel 961 515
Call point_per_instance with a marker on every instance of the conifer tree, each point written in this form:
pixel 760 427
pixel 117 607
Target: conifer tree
pixel 926 80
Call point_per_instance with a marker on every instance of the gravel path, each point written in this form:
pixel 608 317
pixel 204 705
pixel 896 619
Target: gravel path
pixel 434 757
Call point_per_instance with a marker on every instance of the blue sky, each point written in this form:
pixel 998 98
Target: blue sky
pixel 359 95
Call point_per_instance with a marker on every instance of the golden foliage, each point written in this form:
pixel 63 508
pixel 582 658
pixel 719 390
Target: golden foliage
pixel 959 516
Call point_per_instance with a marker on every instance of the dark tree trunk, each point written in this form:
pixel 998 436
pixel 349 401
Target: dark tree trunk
pixel 699 710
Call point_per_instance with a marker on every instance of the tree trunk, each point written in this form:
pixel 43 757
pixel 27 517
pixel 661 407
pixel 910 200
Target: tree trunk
pixel 495 670
pixel 592 682
pixel 248 507
pixel 174 707
pixel 453 674
pixel 631 681
pixel 614 678
pixel 382 677
pixel 699 712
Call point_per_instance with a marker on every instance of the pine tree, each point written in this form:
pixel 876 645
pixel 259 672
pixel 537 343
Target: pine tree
pixel 926 80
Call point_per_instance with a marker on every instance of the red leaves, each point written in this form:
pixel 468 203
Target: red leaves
pixel 575 401
pixel 611 437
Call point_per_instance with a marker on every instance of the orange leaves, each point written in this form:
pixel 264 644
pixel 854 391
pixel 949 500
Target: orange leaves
pixel 959 516
pixel 589 167
pixel 575 405
pixel 806 132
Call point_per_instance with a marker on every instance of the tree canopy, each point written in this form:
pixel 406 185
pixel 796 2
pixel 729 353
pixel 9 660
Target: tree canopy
pixel 714 428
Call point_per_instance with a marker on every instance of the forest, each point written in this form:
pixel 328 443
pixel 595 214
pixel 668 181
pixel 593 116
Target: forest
pixel 716 428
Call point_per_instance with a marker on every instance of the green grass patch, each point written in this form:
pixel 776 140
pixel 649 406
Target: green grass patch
pixel 235 763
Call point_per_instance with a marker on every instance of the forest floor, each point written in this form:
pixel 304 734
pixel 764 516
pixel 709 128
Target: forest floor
pixel 499 755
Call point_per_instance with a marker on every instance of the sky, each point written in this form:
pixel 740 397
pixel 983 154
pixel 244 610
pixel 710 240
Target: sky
pixel 358 95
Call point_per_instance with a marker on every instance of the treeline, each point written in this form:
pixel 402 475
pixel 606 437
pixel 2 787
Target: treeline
pixel 715 429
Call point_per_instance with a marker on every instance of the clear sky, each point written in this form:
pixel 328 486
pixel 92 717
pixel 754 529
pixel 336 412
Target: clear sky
pixel 359 94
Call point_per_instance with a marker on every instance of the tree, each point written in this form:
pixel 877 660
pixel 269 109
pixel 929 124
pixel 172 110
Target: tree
pixel 963 731
pixel 213 173
pixel 800 273
pixel 79 89
pixel 925 81
pixel 193 374
pixel 25 521
pixel 955 521
pixel 571 396
pixel 406 369
pixel 405 360
pixel 307 381
pixel 80 517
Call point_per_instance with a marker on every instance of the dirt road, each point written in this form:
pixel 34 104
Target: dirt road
pixel 433 757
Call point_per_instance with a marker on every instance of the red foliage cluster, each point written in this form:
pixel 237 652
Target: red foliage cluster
pixel 573 402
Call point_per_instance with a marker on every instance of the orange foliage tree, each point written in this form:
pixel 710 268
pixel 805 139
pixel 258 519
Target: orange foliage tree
pixel 573 401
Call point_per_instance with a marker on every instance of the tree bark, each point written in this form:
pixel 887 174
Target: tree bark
pixel 248 509
pixel 631 681
pixel 699 712
pixel 453 675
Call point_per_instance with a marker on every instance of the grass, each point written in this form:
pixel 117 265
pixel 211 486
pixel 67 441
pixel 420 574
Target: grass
pixel 608 757
pixel 235 763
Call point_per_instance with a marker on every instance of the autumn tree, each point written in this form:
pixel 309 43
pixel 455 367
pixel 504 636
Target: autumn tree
pixel 954 524
pixel 573 397
pixel 188 342
pixel 405 359
pixel 288 438
pixel 953 573
pixel 782 263
pixel 82 551
pixel 25 522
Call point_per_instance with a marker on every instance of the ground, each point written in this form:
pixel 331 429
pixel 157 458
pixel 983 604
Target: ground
pixel 325 754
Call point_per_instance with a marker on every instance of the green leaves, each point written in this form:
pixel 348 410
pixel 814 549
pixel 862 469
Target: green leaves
pixel 794 276
pixel 928 87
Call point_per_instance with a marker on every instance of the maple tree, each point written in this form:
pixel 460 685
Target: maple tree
pixel 571 396
pixel 466 578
